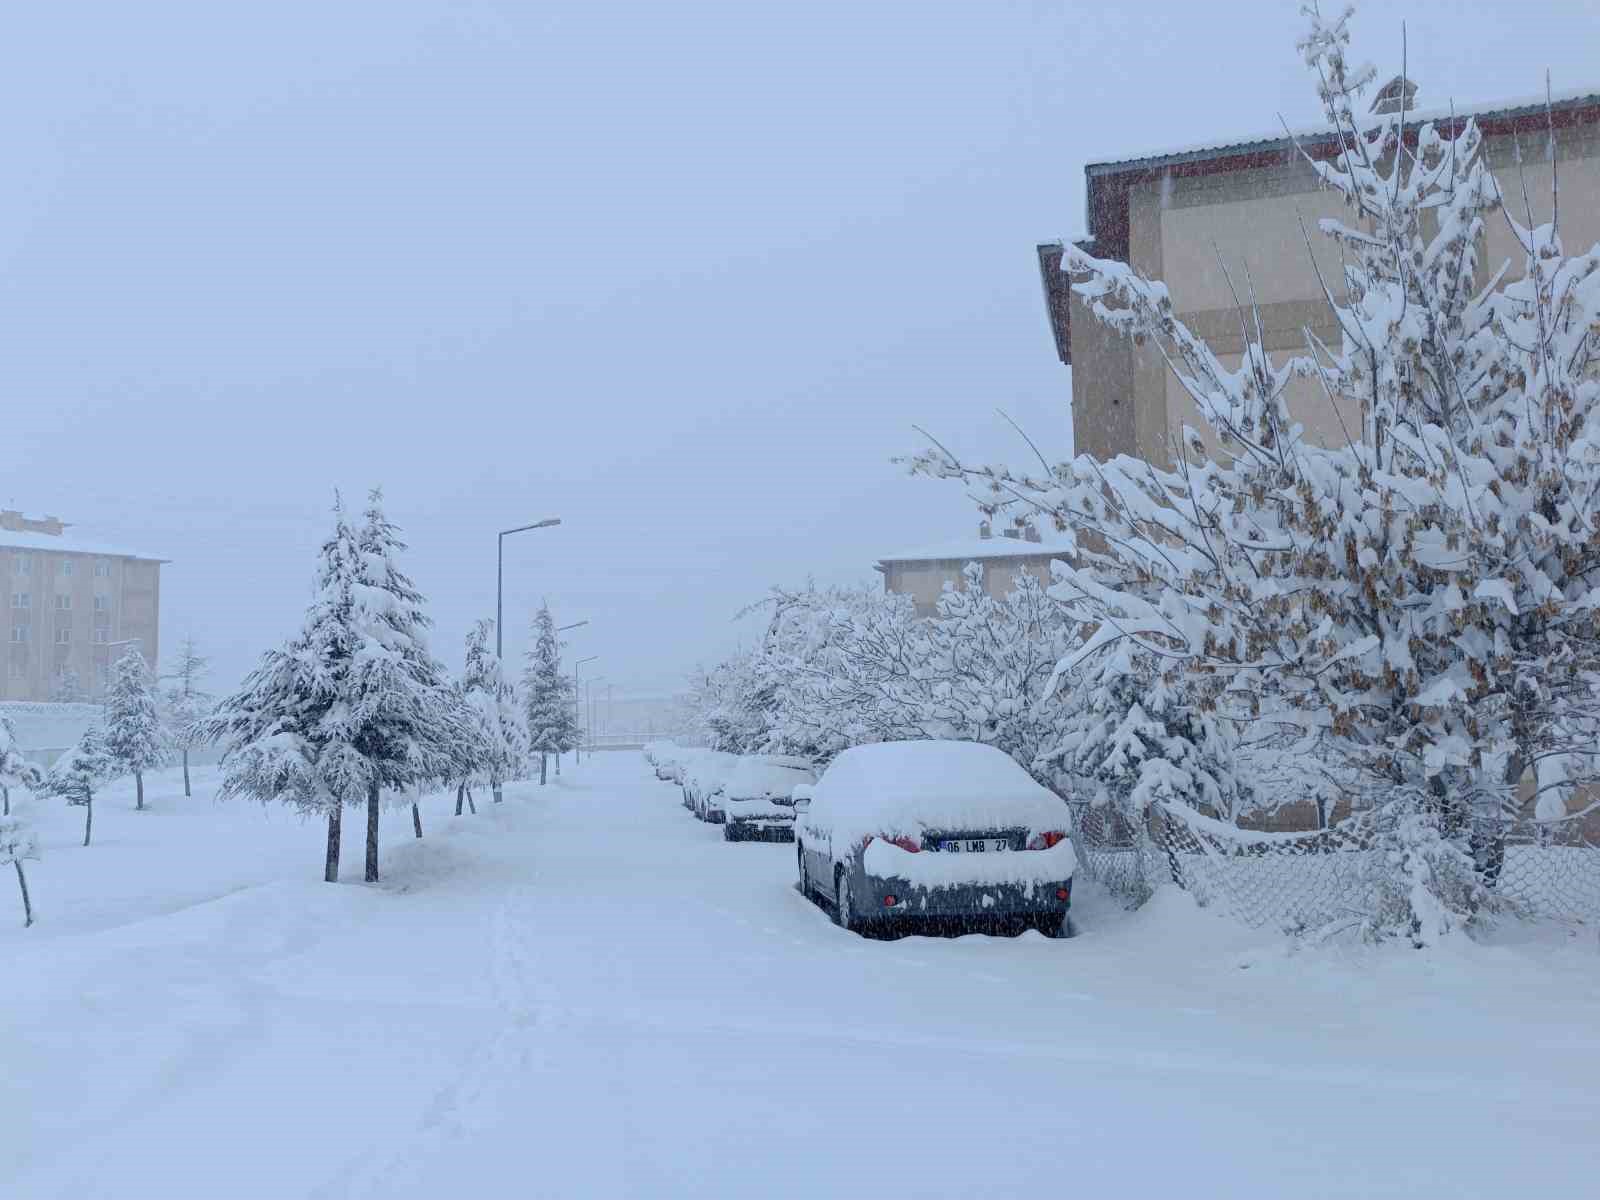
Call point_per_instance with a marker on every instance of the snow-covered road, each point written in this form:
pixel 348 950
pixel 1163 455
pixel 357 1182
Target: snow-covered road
pixel 584 992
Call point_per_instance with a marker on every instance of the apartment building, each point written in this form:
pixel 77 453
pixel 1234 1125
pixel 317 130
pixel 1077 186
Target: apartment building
pixel 72 608
pixel 1199 216
pixel 923 573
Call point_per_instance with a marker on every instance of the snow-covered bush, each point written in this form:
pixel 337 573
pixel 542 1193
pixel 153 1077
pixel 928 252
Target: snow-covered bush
pixel 135 737
pixel 1412 610
pixel 17 841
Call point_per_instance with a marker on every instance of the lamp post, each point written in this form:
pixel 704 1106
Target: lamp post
pixel 500 581
pixel 577 710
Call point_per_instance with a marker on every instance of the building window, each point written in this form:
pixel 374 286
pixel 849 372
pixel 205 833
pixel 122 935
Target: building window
pixel 64 603
pixel 19 633
pixel 22 564
pixel 102 569
pixel 21 600
pixel 63 636
pixel 102 636
pixel 67 566
pixel 102 603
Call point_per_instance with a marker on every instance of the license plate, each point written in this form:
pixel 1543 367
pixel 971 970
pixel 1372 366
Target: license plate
pixel 974 845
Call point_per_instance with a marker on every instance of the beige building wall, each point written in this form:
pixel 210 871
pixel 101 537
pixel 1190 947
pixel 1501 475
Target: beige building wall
pixel 924 579
pixel 65 610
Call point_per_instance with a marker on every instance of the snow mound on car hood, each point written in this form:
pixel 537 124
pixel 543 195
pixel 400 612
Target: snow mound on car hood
pixel 907 788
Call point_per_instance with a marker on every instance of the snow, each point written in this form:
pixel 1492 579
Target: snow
pixel 510 1014
pixel 894 788
pixel 936 869
pixel 767 776
pixel 973 548
pixel 68 544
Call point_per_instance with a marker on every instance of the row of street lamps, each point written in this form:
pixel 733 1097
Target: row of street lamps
pixel 499 612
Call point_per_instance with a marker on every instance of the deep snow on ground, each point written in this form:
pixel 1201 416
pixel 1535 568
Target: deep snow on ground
pixel 584 992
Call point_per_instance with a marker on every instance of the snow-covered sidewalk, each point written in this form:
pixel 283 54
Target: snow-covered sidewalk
pixel 584 992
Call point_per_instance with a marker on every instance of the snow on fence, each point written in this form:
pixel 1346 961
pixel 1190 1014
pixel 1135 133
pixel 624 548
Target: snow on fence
pixel 1311 879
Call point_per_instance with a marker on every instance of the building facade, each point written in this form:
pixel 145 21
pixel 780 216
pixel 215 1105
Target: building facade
pixel 72 609
pixel 922 574
pixel 1206 220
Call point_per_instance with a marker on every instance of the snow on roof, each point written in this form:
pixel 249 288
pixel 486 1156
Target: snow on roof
pixel 894 788
pixel 67 544
pixel 1215 148
pixel 968 549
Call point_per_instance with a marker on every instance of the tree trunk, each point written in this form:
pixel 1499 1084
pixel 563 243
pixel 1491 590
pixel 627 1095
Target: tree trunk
pixel 471 807
pixel 544 766
pixel 27 905
pixel 558 765
pixel 88 817
pixel 498 796
pixel 372 832
pixel 330 873
pixel 461 791
pixel 5 795
pixel 186 792
pixel 138 783
pixel 416 818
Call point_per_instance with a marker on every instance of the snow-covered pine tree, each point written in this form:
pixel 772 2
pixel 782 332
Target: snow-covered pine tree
pixel 18 844
pixel 406 722
pixel 547 694
pixel 185 702
pixel 74 776
pixel 500 747
pixel 1414 607
pixel 134 734
pixel 67 688
pixel 1132 738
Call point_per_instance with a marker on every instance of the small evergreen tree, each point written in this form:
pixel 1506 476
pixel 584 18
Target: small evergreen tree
pixel 67 688
pixel 186 704
pixel 500 736
pixel 552 723
pixel 76 774
pixel 133 734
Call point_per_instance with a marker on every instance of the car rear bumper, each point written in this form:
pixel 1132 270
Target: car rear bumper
pixel 962 900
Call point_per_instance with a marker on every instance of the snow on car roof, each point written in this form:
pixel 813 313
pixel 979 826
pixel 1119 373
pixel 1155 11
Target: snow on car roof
pixel 761 776
pixel 899 788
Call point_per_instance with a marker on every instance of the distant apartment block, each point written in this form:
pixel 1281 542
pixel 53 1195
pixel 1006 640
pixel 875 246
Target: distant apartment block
pixel 923 573
pixel 1222 222
pixel 73 607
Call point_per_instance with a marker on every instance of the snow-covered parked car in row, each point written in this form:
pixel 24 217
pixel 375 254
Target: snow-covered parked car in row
pixel 757 797
pixel 703 777
pixel 953 830
pixel 659 755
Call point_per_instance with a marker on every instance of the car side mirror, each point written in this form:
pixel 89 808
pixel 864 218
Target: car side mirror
pixel 801 797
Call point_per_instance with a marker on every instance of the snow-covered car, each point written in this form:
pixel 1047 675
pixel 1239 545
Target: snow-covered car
pixel 953 830
pixel 757 797
pixel 659 755
pixel 702 781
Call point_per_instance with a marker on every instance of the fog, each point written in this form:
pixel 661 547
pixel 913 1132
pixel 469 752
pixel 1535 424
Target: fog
pixel 682 275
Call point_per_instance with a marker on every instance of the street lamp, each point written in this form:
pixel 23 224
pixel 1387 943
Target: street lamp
pixel 574 625
pixel 577 709
pixel 500 581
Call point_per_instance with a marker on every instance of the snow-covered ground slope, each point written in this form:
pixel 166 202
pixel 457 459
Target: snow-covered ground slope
pixel 585 992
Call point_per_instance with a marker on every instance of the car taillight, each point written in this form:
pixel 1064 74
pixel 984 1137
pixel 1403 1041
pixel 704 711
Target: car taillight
pixel 1043 841
pixel 904 843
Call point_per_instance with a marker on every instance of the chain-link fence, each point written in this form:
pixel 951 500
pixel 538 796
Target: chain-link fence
pixel 1315 878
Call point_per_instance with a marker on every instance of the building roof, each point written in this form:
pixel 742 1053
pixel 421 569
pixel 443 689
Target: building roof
pixel 68 544
pixel 968 549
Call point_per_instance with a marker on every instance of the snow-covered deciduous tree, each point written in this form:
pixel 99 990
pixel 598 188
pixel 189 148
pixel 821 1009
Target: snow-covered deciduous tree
pixel 500 741
pixel 186 703
pixel 134 734
pixel 353 704
pixel 548 695
pixel 75 775
pixel 18 844
pixel 1414 609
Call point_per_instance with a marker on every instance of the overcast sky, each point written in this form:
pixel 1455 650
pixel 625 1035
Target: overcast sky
pixel 683 275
